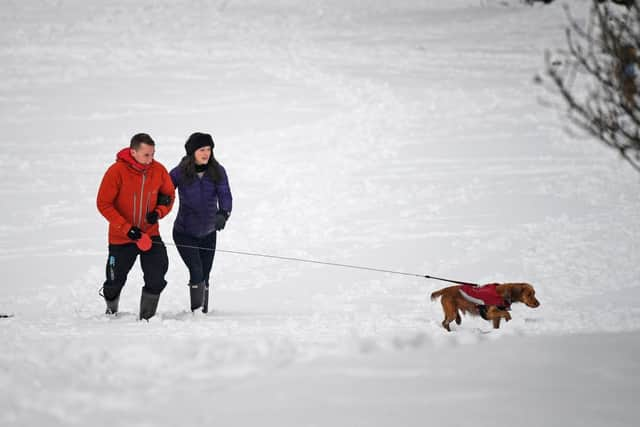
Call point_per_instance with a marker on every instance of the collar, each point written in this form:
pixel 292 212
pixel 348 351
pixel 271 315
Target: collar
pixel 125 156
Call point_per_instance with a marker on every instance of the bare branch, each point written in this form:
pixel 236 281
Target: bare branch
pixel 597 79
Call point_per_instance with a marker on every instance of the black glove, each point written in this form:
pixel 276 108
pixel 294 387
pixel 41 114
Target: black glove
pixel 221 220
pixel 163 200
pixel 152 217
pixel 134 233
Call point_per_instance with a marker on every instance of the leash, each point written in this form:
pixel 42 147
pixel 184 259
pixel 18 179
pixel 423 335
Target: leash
pixel 312 261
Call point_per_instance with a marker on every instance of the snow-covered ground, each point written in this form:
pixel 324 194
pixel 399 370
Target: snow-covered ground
pixel 404 135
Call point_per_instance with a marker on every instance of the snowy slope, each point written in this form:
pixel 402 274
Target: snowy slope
pixel 403 135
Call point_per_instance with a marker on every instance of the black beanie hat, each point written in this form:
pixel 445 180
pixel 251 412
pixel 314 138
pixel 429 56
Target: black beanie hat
pixel 196 141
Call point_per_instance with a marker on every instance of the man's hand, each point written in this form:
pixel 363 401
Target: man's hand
pixel 134 233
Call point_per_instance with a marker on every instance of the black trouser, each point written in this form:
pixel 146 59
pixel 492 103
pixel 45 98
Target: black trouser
pixel 154 263
pixel 197 253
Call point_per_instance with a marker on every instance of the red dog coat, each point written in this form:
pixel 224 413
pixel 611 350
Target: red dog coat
pixel 483 295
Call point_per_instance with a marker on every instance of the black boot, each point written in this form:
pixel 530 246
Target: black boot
pixel 112 306
pixel 196 292
pixel 148 305
pixel 111 295
pixel 205 303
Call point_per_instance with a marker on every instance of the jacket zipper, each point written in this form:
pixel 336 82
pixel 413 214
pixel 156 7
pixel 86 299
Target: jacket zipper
pixel 135 202
pixel 203 207
pixel 144 176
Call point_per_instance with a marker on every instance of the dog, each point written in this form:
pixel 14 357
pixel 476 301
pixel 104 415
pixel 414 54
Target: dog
pixel 491 301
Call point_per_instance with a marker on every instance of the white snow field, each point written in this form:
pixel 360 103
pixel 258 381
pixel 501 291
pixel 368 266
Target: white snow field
pixel 405 135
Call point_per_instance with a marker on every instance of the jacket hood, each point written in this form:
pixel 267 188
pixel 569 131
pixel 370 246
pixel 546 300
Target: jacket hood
pixel 125 156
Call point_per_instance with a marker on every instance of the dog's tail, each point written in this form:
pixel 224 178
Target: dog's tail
pixel 437 294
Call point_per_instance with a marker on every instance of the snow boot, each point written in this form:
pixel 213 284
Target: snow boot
pixel 205 303
pixel 196 292
pixel 148 305
pixel 112 306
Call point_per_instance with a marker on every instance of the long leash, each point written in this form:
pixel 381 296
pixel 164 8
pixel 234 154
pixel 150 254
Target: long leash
pixel 312 261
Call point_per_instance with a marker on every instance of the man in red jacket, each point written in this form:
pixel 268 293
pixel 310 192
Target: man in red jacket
pixel 135 192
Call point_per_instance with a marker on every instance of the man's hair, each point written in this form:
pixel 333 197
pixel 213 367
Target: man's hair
pixel 141 138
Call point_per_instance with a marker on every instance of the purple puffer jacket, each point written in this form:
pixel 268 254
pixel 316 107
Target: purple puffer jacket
pixel 200 200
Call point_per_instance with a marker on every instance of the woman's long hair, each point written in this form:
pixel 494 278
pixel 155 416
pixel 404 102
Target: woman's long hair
pixel 188 168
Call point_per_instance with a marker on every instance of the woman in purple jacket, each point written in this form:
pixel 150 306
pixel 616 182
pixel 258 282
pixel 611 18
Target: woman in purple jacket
pixel 205 205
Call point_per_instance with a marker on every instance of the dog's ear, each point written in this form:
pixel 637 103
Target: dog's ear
pixel 517 292
pixel 508 293
pixel 527 291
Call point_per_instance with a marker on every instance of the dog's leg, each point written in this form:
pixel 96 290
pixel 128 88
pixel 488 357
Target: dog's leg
pixel 501 314
pixel 450 312
pixel 496 323
pixel 495 314
pixel 458 318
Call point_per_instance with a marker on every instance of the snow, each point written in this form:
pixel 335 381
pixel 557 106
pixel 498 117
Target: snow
pixel 405 135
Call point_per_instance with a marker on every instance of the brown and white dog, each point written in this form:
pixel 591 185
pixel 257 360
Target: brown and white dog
pixel 469 299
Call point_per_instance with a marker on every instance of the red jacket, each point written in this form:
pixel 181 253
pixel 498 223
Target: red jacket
pixel 483 295
pixel 129 190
